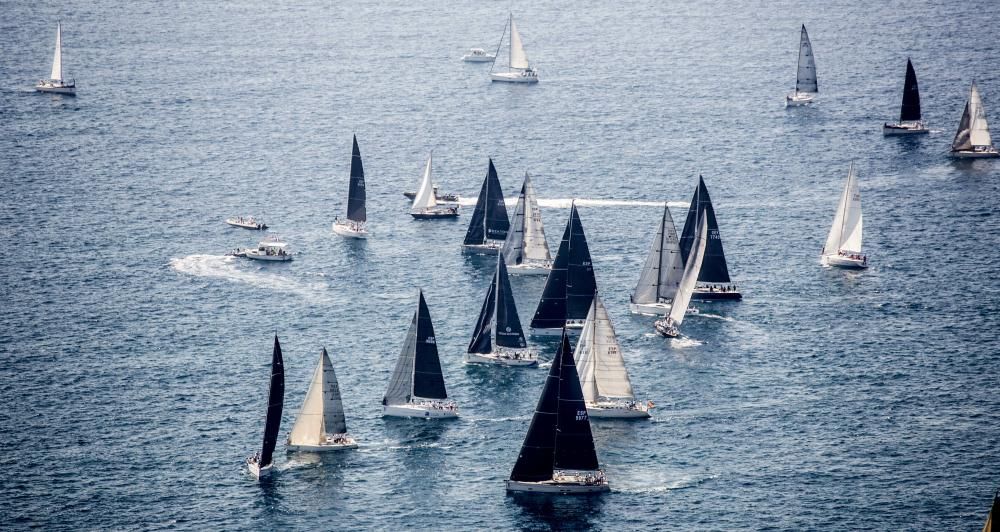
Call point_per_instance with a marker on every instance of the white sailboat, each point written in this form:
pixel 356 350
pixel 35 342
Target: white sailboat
pixel 320 425
pixel 669 326
pixel 56 83
pixel 973 137
pixel 607 388
pixel 661 275
pixel 425 205
pixel 518 70
pixel 805 76
pixel 526 250
pixel 843 244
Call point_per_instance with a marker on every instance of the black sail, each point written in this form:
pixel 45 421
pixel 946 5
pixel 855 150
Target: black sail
pixel 714 268
pixel 535 461
pixel 580 282
pixel 489 219
pixel 428 381
pixel 551 310
pixel 574 448
pixel 275 402
pixel 910 110
pixel 508 325
pixel 481 342
pixel 356 194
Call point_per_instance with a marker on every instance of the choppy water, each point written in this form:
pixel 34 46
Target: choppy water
pixel 134 353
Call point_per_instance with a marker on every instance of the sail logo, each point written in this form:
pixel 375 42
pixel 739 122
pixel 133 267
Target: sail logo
pixel 430 340
pixel 581 415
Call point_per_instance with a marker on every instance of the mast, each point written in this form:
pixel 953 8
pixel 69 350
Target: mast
pixel 535 461
pixel 508 329
pixel 909 110
pixel 599 358
pixel 805 77
pixel 574 445
pixel 714 269
pixel 691 273
pixel 356 193
pixel 275 402
pixel 580 282
pixel 510 49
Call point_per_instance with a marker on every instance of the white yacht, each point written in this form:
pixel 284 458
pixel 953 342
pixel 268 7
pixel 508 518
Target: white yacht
pixel 246 222
pixel 478 55
pixel 843 244
pixel 670 324
pixel 973 137
pixel 517 70
pixel 320 425
pixel 56 83
pixel 270 249
pixel 661 274
pixel 806 87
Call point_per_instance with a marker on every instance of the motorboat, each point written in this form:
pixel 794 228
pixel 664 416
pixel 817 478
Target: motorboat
pixel 246 222
pixel 270 249
pixel 478 55
pixel 56 83
pixel 440 197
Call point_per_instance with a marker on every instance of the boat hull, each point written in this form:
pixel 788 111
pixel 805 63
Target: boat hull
pixel 552 487
pixel 515 77
pixel 56 89
pixel 253 227
pixel 892 130
pixel 665 329
pixel 268 258
pixel 435 214
pixel 418 411
pixel 798 99
pixel 528 358
pixel 617 411
pixel 703 293
pixel 477 58
pixel 845 262
pixel 348 230
pixel 649 309
pixel 320 448
pixel 969 154
pixel 572 328
pixel 529 268
pixel 481 249
pixel 259 472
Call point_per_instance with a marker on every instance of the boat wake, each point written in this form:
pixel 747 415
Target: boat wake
pixel 679 484
pixel 565 203
pixel 716 317
pixel 227 268
pixel 684 342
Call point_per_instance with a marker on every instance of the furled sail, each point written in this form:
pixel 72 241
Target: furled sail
pixel 425 193
pixel 805 79
pixel 664 266
pixel 909 111
pixel 599 358
pixel 275 402
pixel 57 73
pixel 356 194
pixel 322 412
pixel 845 233
pixel 714 269
pixel 692 272
pixel 489 220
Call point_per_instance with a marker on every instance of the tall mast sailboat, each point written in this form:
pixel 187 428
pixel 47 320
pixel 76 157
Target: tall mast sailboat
pixel 806 87
pixel 490 224
pixel 661 274
pixel 670 324
pixel 843 244
pixel 416 388
pixel 55 83
pixel 357 216
pixel 320 425
pixel 425 205
pixel 607 388
pixel 713 279
pixel 526 251
pixel 570 286
pixel 518 70
pixel 973 137
pixel 499 338
pixel 910 122
pixel 558 454
pixel 260 464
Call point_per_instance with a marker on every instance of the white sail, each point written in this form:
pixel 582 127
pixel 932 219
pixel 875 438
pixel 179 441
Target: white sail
pixel 322 412
pixel 518 59
pixel 535 245
pixel 57 57
pixel 425 194
pixel 691 272
pixel 664 267
pixel 979 128
pixel 805 78
pixel 599 358
pixel 845 232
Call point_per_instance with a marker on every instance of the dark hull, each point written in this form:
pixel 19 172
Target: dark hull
pixel 700 294
pixel 435 215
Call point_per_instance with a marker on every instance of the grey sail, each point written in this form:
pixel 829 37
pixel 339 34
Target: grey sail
pixel 664 267
pixel 805 78
pixel 400 389
pixel 963 138
pixel 418 370
pixel 526 237
pixel 333 405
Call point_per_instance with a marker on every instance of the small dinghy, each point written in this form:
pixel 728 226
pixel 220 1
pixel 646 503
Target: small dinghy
pixel 247 222
pixel 56 83
pixel 425 205
pixel 355 224
pixel 489 226
pixel 570 285
pixel 499 338
pixel 416 388
pixel 607 388
pixel 271 249
pixel 526 251
pixel 661 275
pixel 843 244
pixel 910 122
pixel 558 455
pixel 713 281
pixel 260 464
pixel 669 325
pixel 973 137
pixel 320 425
pixel 517 69
pixel 478 55
pixel 806 87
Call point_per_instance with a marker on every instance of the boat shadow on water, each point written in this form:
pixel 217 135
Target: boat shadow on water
pixel 556 512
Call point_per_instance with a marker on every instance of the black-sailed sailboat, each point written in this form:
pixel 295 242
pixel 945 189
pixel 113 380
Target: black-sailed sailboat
pixel 558 454
pixel 714 281
pixel 910 121
pixel 489 225
pixel 416 388
pixel 357 216
pixel 570 287
pixel 499 338
pixel 260 464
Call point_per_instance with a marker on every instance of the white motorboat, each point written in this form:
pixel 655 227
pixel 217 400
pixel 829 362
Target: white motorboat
pixel 478 55
pixel 526 250
pixel 973 141
pixel 425 205
pixel 355 226
pixel 669 325
pixel 56 83
pixel 607 389
pixel 260 464
pixel 806 88
pixel 517 69
pixel 320 425
pixel 498 337
pixel 910 122
pixel 270 249
pixel 843 244
pixel 570 286
pixel 489 225
pixel 661 274
pixel 246 222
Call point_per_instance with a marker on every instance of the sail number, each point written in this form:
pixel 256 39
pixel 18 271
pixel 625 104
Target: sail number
pixel 430 340
pixel 581 415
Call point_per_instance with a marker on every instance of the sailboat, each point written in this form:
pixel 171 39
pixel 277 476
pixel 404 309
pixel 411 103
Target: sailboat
pixel 714 281
pixel 805 75
pixel 661 275
pixel 570 286
pixel 518 70
pixel 425 205
pixel 910 122
pixel 994 511
pixel 607 389
pixel 56 83
pixel 558 454
pixel 526 251
pixel 357 216
pixel 416 388
pixel 843 244
pixel 670 324
pixel 973 137
pixel 261 463
pixel 489 225
pixel 320 425
pixel 498 338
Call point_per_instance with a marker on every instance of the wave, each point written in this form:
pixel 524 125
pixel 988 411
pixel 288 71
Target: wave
pixel 564 203
pixel 679 484
pixel 715 316
pixel 227 268
pixel 684 342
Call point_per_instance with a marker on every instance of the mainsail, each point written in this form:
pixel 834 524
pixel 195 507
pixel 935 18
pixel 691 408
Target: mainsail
pixel 498 316
pixel 714 269
pixel 570 285
pixel 661 274
pixel 691 273
pixel 979 130
pixel 322 412
pixel 845 233
pixel 909 111
pixel 275 402
pixel 425 193
pixel 805 78
pixel 57 73
pixel 599 358
pixel 418 370
pixel 489 220
pixel 526 237
pixel 518 59
pixel 356 194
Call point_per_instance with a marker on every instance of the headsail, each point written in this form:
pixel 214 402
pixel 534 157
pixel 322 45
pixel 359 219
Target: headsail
pixel 962 139
pixel 714 269
pixel 489 220
pixel 574 447
pixel 275 402
pixel 599 358
pixel 425 194
pixel 356 194
pixel 979 131
pixel 692 272
pixel 481 337
pixel 805 78
pixel 909 111
pixel 570 286
pixel 661 274
pixel 322 412
pixel 845 233
pixel 518 59
pixel 508 329
pixel 57 72
pixel 526 237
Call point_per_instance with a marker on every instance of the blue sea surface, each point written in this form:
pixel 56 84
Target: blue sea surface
pixel 135 354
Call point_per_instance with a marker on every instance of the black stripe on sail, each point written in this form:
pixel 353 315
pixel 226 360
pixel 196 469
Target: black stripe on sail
pixel 428 382
pixel 551 310
pixel 275 402
pixel 481 336
pixel 910 109
pixel 714 268
pixel 580 281
pixel 574 448
pixel 497 221
pixel 534 463
pixel 509 332
pixel 356 194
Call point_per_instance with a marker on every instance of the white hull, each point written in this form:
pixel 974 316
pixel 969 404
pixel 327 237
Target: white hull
pixel 56 89
pixel 970 154
pixel 477 58
pixel 509 358
pixel 530 268
pixel 552 486
pixel 257 471
pixel 573 328
pixel 617 411
pixel 517 76
pixel 649 309
pixel 797 99
pixel 489 248
pixel 891 130
pixel 252 255
pixel 350 230
pixel 417 410
pixel 845 262
pixel 321 448
pixel 251 226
